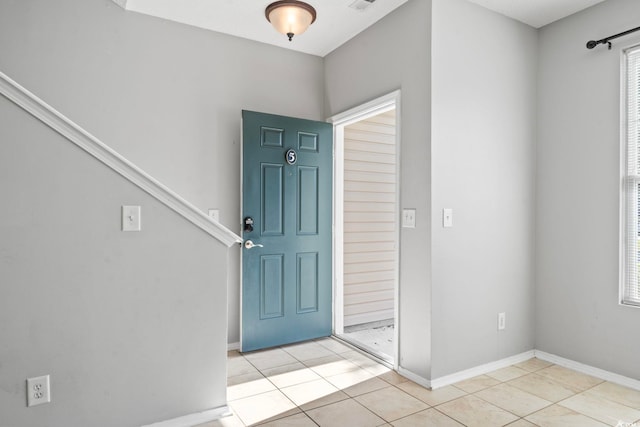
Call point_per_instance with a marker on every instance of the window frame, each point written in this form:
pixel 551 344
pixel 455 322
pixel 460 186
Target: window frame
pixel 629 294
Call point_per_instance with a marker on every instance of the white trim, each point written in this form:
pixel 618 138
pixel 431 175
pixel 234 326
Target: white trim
pixel 241 229
pixel 372 108
pixel 622 220
pixel 369 109
pixel 338 229
pixel 624 223
pixel 414 377
pixel 89 143
pixel 503 363
pixel 589 370
pixel 480 370
pixel 233 346
pixel 396 330
pixel 194 419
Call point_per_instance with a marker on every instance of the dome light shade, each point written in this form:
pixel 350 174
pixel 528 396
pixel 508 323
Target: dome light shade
pixel 290 17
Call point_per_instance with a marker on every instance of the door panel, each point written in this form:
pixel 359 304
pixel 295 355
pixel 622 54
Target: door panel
pixel 286 283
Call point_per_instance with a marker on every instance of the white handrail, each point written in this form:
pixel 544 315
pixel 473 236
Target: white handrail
pixel 89 143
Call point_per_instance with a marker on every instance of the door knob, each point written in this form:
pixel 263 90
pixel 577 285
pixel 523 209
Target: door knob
pixel 249 244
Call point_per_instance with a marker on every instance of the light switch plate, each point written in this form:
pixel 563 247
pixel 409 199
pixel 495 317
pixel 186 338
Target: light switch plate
pixel 502 321
pixel 131 218
pixel 447 217
pixel 408 218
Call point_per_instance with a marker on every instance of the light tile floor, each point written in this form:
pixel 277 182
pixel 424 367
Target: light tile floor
pixel 325 383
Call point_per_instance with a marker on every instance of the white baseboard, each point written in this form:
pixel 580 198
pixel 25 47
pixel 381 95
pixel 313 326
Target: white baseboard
pixel 589 370
pixel 480 370
pixel 503 363
pixel 194 419
pixel 414 377
pixel 233 346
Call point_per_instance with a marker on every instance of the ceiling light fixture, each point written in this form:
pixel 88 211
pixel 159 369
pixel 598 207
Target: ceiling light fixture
pixel 290 17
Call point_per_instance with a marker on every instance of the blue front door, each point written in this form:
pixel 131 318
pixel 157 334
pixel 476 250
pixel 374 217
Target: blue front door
pixel 287 185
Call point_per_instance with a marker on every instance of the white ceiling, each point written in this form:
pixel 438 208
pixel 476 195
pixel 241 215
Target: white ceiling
pixel 537 13
pixel 336 22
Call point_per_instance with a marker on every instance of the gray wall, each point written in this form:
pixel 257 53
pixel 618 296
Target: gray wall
pixel 468 142
pixel 165 95
pixel 395 54
pixel 577 311
pixel 130 326
pixel 482 166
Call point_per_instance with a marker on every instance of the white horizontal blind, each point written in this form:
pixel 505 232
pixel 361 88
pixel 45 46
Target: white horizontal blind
pixel 631 286
pixel 370 219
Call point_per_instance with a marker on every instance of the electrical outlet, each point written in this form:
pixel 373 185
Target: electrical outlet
pixel 502 321
pixel 214 214
pixel 38 390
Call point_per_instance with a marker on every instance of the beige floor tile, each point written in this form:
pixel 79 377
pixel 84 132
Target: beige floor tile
pixel 230 421
pixel 429 417
pixel 357 382
pixel 248 388
pixel 331 365
pixel 476 383
pixel 508 373
pixel 543 387
pixel 314 394
pixel 391 403
pixel 298 420
pixel 239 366
pixel 345 413
pixel 513 399
pixel 265 359
pixel 558 416
pixel 431 397
pixel 263 407
pixel 233 353
pixel 376 368
pixel 473 411
pixel 287 375
pixel 244 378
pixel 392 377
pixel 571 379
pixel 366 386
pixel 323 360
pixel 617 393
pixel 308 350
pixel 533 364
pixel 601 409
pixel 521 423
pixel 365 362
pixel 380 396
pixel 333 345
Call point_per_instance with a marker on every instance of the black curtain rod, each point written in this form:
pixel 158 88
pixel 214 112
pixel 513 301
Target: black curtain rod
pixel 592 43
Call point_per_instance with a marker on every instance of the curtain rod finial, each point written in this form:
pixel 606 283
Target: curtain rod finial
pixel 591 44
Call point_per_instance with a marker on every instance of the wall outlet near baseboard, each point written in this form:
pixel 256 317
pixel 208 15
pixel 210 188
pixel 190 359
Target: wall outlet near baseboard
pixel 502 321
pixel 38 390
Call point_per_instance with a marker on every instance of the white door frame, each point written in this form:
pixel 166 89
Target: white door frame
pixel 369 109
